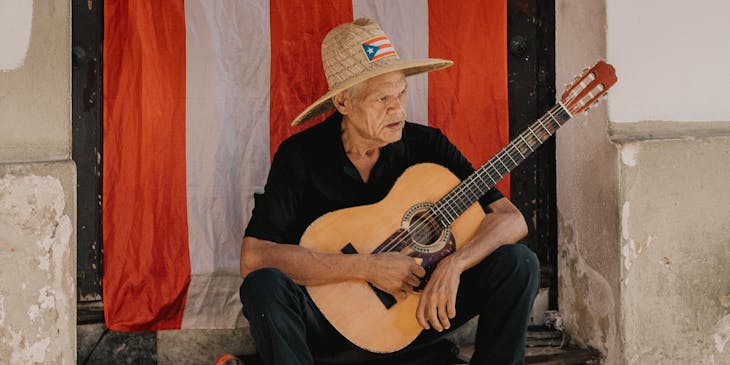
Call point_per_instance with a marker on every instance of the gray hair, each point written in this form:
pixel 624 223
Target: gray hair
pixel 352 91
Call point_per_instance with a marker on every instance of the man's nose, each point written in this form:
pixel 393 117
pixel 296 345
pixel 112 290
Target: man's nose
pixel 398 106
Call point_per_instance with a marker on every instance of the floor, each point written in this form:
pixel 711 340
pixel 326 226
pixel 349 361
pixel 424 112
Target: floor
pixel 95 345
pixel 544 347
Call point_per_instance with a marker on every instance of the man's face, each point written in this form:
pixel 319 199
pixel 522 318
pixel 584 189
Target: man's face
pixel 377 109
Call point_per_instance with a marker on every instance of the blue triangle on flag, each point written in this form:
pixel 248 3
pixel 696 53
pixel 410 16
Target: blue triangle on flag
pixel 370 51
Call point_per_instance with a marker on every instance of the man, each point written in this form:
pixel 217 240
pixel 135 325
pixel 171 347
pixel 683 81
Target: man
pixel 354 158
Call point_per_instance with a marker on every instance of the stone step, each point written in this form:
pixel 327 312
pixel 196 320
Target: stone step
pixel 546 346
pixel 181 347
pixel 548 355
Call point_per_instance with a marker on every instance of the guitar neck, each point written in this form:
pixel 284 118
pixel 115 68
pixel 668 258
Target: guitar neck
pixel 453 204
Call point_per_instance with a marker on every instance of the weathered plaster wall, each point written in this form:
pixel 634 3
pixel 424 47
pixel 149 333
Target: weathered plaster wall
pixel 587 194
pixel 675 245
pixel 37 254
pixel 644 240
pixel 37 187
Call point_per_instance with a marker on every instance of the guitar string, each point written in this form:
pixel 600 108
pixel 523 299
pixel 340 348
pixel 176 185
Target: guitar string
pixel 460 195
pixel 424 220
pixel 467 188
pixel 557 109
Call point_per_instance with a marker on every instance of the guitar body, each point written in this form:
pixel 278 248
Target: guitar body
pixel 353 307
pixel 405 221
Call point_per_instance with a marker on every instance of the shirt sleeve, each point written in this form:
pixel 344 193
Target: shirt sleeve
pixel 445 153
pixel 274 211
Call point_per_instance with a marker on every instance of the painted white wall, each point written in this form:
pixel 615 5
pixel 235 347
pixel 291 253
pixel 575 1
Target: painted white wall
pixel 16 18
pixel 672 58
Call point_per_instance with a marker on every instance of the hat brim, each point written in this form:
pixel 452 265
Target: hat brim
pixel 409 67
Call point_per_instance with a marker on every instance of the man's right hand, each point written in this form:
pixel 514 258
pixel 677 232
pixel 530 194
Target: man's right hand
pixel 394 273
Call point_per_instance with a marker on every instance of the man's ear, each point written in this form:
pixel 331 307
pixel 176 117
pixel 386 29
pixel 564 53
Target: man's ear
pixel 342 102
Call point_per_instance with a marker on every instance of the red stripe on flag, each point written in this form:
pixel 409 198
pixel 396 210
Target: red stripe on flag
pixel 297 77
pixel 376 39
pixel 144 213
pixel 468 101
pixel 381 55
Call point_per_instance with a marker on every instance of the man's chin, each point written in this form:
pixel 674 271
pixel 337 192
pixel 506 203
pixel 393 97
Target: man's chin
pixel 393 136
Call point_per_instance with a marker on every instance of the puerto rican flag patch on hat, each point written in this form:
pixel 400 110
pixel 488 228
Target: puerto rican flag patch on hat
pixel 378 48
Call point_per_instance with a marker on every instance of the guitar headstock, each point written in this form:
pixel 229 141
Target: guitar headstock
pixel 587 88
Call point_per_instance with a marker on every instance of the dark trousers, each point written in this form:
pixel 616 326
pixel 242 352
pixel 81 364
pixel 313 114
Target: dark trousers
pixel 288 328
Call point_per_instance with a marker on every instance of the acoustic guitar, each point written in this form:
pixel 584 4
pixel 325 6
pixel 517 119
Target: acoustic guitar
pixel 428 214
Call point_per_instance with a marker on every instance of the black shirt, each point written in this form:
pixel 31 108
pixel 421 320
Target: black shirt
pixel 311 175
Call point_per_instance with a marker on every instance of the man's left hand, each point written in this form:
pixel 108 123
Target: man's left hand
pixel 438 299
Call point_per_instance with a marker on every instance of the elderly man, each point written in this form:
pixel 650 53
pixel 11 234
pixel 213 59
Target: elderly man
pixel 353 158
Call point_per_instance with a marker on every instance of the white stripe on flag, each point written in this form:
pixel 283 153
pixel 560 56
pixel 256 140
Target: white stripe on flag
pixel 227 131
pixel 380 42
pixel 406 24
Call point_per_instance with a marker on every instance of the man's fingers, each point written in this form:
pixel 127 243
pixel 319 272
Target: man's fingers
pixel 443 317
pixel 451 306
pixel 418 270
pixel 420 315
pixel 413 281
pixel 432 315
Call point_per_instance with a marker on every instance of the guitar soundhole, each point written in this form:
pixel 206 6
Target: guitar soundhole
pixel 424 228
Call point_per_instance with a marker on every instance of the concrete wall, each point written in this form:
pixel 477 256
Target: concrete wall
pixel 675 244
pixel 37 185
pixel 673 56
pixel 644 239
pixel 587 194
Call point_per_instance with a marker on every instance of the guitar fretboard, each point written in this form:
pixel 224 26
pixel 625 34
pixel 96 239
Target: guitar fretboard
pixel 453 204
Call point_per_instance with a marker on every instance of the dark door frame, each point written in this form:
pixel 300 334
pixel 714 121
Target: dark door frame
pixel 531 77
pixel 87 19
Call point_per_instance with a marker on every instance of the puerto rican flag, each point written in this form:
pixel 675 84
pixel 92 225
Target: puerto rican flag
pixel 198 94
pixel 378 48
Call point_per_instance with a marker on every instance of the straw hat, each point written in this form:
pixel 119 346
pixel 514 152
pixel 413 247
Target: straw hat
pixel 357 51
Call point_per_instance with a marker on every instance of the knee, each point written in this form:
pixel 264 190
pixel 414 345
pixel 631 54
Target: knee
pixel 520 262
pixel 261 287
